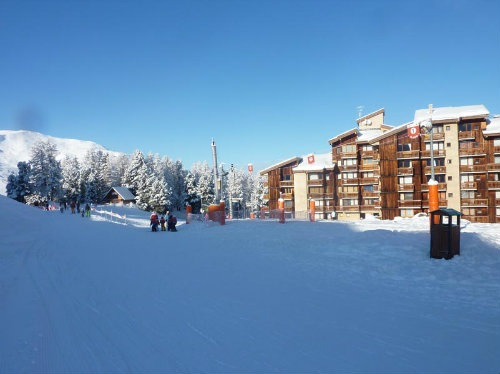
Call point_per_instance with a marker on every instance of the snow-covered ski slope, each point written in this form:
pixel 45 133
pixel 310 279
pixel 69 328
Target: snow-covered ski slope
pixel 85 295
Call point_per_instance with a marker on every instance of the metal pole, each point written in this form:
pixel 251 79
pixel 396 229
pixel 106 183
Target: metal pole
pixel 214 156
pixel 432 154
pixel 231 193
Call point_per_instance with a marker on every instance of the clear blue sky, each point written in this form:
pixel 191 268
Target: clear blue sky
pixel 268 79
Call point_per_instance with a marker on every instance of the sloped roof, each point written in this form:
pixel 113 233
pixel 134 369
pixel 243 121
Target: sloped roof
pixel 493 126
pixel 365 136
pixel 321 161
pixel 279 164
pixel 343 135
pixel 452 113
pixel 393 131
pixel 370 115
pixel 124 192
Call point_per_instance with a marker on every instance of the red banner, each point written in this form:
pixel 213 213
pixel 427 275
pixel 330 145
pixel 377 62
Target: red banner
pixel 414 131
pixel 310 159
pixel 250 168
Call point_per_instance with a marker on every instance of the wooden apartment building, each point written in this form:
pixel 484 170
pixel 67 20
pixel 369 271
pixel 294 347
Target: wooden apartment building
pixel 378 169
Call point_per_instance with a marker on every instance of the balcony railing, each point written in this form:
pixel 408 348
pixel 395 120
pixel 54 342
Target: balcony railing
pixel 437 153
pixel 470 151
pixel 406 187
pixel 350 194
pixel 496 149
pixel 405 171
pixel 474 202
pixel 408 154
pixel 368 180
pixel 469 185
pixel 477 219
pixel 320 196
pixel 286 183
pixel 348 208
pixel 410 203
pixel 493 184
pixel 368 194
pixel 437 170
pixel 370 207
pixel 466 135
pixel 442 203
pixel 373 154
pixel 441 187
pixel 493 167
pixel 349 154
pixel 497 202
pixel 472 168
pixel 315 182
pixel 435 136
pixel 350 181
pixel 287 196
pixel 349 167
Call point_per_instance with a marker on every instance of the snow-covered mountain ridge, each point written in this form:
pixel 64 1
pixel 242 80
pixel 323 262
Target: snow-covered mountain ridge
pixel 15 146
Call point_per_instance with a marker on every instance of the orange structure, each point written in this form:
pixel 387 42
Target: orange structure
pixel 312 209
pixel 433 198
pixel 189 210
pixel 281 205
pixel 222 208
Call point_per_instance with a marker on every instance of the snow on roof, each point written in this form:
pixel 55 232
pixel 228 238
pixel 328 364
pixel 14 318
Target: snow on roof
pixel 493 126
pixel 279 164
pixel 124 192
pixel 321 161
pixel 367 135
pixel 343 135
pixel 393 131
pixel 451 113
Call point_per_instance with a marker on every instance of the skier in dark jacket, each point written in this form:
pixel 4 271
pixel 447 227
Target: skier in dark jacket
pixel 172 221
pixel 78 206
pixel 162 223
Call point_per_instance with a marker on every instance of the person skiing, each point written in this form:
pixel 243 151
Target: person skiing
pixel 87 210
pixel 162 223
pixel 154 222
pixel 78 206
pixel 172 221
pixel 72 206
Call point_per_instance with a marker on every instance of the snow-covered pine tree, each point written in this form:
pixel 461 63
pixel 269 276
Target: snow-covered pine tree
pixel 158 200
pixel 144 183
pixel 205 187
pixel 46 173
pixel 256 188
pixel 118 169
pixel 192 197
pixel 175 176
pixel 132 178
pixel 12 187
pixel 23 180
pixel 71 178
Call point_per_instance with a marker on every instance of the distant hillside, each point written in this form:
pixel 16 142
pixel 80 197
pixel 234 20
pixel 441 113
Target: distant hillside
pixel 16 146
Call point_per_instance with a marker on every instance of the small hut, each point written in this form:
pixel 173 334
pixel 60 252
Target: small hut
pixel 118 195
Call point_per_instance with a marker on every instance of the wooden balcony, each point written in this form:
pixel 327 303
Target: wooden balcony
pixel 369 167
pixel 497 202
pixel 441 187
pixel 405 171
pixel 349 154
pixel 406 187
pixel 320 196
pixel 287 196
pixel 348 208
pixel 368 180
pixel 466 135
pixel 496 149
pixel 442 203
pixel 349 167
pixel 470 151
pixel 316 182
pixel 497 219
pixel 493 167
pixel 408 154
pixel 473 168
pixel 373 154
pixel 437 153
pixel 286 183
pixel 468 185
pixel 435 136
pixel 350 181
pixel 351 195
pixel 409 203
pixel 369 194
pixel 477 219
pixel 370 207
pixel 474 202
pixel 437 170
pixel 493 184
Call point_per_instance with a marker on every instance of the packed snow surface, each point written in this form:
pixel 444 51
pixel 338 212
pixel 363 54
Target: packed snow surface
pixel 83 295
pixel 451 113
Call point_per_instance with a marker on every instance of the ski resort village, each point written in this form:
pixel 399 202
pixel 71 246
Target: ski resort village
pixel 250 187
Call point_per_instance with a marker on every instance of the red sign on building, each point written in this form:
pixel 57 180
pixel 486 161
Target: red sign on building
pixel 414 131
pixel 250 168
pixel 310 159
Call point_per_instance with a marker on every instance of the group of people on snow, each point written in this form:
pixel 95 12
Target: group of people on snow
pixel 74 206
pixel 171 222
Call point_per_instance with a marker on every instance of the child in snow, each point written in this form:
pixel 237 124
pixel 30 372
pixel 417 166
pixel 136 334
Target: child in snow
pixel 154 222
pixel 87 210
pixel 162 223
pixel 72 206
pixel 172 221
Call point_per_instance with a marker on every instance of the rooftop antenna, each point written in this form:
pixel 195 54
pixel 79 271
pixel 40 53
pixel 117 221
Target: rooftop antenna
pixel 216 179
pixel 360 111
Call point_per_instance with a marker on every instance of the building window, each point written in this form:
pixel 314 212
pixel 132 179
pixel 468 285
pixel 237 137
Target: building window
pixel 349 161
pixel 350 189
pixel 465 127
pixel 288 203
pixel 497 195
pixel 287 177
pixel 369 201
pixel 367 174
pixel 405 180
pixel 450 194
pixel 497 159
pixel 448 128
pixel 314 176
pixel 349 202
pixel 496 142
pixel 406 196
pixel 367 161
pixel 498 211
pixel 448 144
pixel 467 194
pixel 450 177
pixel 404 163
pixel 407 212
pixel 438 178
pixel 404 147
pixel 315 190
pixel 466 178
pixel 449 161
pixel 327 176
pixel 366 147
pixel 437 162
pixel 437 129
pixel 469 211
pixel 349 175
pixel 350 148
pixel 466 161
pixel 436 145
pixel 368 188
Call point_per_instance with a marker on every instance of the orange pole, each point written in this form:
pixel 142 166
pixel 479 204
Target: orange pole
pixel 189 209
pixel 262 213
pixel 312 208
pixel 433 198
pixel 222 213
pixel 252 215
pixel 281 205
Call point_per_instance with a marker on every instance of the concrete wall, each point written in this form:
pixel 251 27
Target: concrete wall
pixel 300 191
pixel 343 216
pixel 376 122
pixel 453 168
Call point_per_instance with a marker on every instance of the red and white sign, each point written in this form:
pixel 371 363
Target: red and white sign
pixel 310 159
pixel 414 131
pixel 250 168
